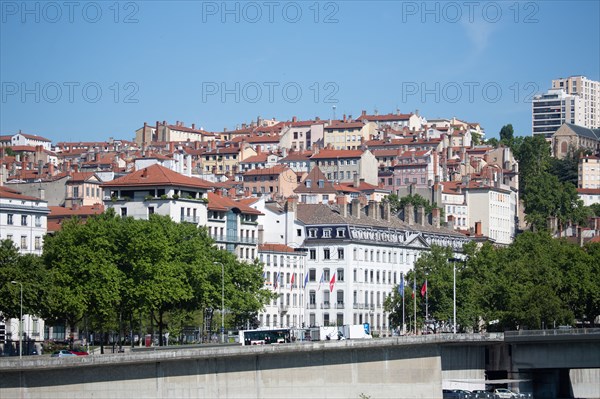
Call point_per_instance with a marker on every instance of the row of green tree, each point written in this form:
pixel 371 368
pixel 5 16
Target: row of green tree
pixel 547 185
pixel 112 269
pixel 535 282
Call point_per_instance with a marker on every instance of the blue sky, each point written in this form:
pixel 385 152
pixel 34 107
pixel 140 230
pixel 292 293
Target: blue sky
pixel 101 69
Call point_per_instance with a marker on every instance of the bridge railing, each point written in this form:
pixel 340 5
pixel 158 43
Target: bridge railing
pixel 560 331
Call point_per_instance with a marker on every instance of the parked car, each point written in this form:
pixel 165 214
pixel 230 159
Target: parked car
pixel 63 353
pixel 503 393
pixel 481 394
pixel 456 394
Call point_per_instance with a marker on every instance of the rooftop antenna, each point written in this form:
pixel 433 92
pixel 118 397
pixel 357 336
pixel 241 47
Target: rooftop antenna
pixel 334 107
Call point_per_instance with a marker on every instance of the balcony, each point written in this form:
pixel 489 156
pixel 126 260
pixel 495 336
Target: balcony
pixel 325 305
pixel 339 305
pixel 190 219
pixel 283 308
pixel 234 239
pixel 311 306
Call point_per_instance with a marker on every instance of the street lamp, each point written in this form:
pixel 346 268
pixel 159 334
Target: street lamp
pixel 222 300
pixel 454 260
pixel 20 321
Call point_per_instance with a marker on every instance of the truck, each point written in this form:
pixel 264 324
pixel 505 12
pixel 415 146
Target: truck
pixel 335 333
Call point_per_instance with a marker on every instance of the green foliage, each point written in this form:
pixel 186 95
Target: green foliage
pixel 536 282
pixel 507 134
pixel 112 268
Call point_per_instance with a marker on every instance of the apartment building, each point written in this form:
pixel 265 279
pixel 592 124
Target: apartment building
pixel 342 165
pixel 24 221
pixel 165 132
pixel 348 134
pixel 158 190
pixel 233 225
pixel 301 135
pixel 589 91
pixel 552 109
pixel 276 181
pixel 588 172
pixel 284 268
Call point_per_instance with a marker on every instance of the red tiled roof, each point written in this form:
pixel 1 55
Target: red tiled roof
pixel 10 193
pixel 81 176
pixel 275 248
pixel 85 210
pixel 262 157
pixel 297 156
pixel 35 137
pixel 220 203
pixel 386 117
pixel 158 175
pixel 589 191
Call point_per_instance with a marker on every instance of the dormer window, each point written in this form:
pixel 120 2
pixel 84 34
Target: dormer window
pixel 312 233
pixel 326 233
pixel 308 183
pixel 321 183
pixel 340 233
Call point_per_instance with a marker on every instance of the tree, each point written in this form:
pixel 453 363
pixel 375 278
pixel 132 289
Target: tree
pixel 507 134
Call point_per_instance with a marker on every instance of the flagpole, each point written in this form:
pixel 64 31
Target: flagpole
pixel 403 320
pixel 426 302
pixel 415 302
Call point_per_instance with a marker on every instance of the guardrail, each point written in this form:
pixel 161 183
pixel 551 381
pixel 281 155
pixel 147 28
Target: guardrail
pixel 559 331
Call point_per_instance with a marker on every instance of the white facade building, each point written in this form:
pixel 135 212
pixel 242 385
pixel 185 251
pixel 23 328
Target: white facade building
pixel 23 220
pixel 589 91
pixel 496 209
pixel 554 108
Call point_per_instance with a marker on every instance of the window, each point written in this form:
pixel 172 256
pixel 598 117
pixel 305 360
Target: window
pixel 150 210
pixel 340 274
pixel 340 252
pixel 326 275
pixel 38 242
pixel 313 254
pixel 38 221
pixel 312 298
pixel 312 233
pixel 340 233
pixel 23 220
pixel 326 233
pixel 299 232
pixel 123 212
pixel 308 183
pixel 23 242
pixel 9 218
pixel 312 275
pixel 326 254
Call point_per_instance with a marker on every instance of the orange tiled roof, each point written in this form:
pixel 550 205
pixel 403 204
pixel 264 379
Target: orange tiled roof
pixel 274 170
pixel 220 203
pixel 158 175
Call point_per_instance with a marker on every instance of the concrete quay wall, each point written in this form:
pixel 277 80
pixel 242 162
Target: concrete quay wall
pixel 385 368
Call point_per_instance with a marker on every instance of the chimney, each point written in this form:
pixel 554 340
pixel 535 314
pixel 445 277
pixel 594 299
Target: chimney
pixel 387 211
pixel 76 168
pixel 345 118
pixel 363 113
pixel 478 231
pixel 421 215
pixel 68 168
pixel 451 222
pixel 258 150
pixel 50 168
pixel 356 180
pixel 342 204
pixel 356 208
pixel 193 126
pixel 409 214
pixel 292 204
pixel 294 119
pixel 373 209
pixel 435 217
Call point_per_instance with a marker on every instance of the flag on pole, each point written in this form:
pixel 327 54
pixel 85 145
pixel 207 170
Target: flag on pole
pixel 332 283
pixel 292 281
pixel 305 280
pixel 401 286
pixel 424 289
pixel 321 281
